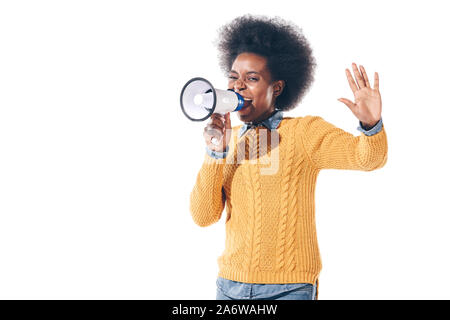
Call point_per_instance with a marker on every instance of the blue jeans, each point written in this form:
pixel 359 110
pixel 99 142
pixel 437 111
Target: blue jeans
pixel 234 290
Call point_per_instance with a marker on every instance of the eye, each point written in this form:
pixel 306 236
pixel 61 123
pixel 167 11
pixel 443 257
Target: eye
pixel 253 79
pixel 232 77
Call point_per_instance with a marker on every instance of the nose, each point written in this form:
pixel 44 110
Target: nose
pixel 239 85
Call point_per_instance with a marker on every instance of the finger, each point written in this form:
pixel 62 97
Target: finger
pixel 217 121
pixel 366 78
pixel 377 82
pixel 358 76
pixel 209 132
pixel 351 82
pixel 213 145
pixel 349 104
pixel 209 135
pixel 227 121
pixel 218 116
pixel 212 131
pixel 214 126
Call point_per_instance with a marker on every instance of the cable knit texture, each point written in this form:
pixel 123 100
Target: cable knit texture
pixel 270 223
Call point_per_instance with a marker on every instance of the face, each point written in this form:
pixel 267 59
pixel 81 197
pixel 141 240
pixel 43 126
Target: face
pixel 250 78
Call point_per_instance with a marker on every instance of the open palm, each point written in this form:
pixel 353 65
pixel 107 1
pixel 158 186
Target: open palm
pixel 367 105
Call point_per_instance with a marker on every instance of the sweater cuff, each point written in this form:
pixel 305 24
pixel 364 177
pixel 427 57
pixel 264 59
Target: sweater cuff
pixel 371 131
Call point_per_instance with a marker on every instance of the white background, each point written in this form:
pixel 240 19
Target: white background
pixel 97 160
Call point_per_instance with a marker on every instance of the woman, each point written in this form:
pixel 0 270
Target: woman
pixel 271 249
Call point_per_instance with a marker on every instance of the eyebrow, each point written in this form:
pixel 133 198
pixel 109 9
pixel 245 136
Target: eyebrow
pixel 247 72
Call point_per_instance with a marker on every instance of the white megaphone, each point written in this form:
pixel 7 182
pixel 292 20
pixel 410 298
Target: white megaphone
pixel 199 100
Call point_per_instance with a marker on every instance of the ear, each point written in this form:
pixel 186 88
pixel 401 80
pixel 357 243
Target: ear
pixel 278 87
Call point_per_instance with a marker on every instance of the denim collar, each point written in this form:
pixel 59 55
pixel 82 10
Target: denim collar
pixel 270 123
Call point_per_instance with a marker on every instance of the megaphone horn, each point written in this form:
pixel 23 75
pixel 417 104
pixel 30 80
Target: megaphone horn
pixel 199 100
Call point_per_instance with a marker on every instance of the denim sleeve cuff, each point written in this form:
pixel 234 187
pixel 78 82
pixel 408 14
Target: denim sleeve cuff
pixel 216 154
pixel 374 130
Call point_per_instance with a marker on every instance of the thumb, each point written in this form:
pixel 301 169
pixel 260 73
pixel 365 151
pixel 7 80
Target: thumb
pixel 227 121
pixel 348 103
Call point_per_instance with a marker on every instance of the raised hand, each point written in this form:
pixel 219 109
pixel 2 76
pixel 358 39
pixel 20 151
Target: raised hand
pixel 367 105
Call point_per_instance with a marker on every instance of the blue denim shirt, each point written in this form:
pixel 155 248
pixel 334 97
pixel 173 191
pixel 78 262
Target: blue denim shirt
pixel 273 122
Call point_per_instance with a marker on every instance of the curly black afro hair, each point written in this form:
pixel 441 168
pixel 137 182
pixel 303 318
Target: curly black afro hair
pixel 288 53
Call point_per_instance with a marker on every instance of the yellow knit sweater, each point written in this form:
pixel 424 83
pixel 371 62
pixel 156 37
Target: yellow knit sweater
pixel 270 224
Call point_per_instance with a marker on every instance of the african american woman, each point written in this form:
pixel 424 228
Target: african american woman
pixel 271 249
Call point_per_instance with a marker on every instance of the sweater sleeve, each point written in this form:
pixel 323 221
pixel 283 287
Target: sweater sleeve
pixel 207 199
pixel 329 147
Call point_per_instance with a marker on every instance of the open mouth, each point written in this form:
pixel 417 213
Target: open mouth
pixel 247 102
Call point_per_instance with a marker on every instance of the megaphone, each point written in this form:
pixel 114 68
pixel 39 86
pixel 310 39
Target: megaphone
pixel 199 100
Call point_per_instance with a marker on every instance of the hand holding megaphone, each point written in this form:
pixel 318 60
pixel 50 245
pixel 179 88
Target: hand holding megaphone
pixel 218 128
pixel 199 101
